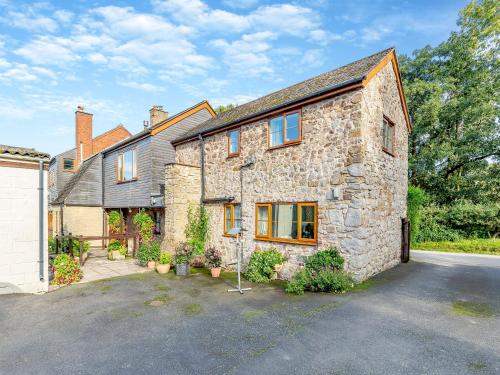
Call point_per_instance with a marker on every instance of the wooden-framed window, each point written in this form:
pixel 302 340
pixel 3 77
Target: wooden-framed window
pixel 287 222
pixel 126 166
pixel 285 129
pixel 232 217
pixel 233 142
pixel 69 165
pixel 388 132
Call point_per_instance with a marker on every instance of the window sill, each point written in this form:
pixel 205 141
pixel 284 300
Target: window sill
pixel 69 170
pixel 292 242
pixel 229 235
pixel 284 145
pixel 230 156
pixel 126 181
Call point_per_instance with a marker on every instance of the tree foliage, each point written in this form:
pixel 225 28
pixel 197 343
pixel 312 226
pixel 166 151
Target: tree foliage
pixel 452 92
pixel 224 108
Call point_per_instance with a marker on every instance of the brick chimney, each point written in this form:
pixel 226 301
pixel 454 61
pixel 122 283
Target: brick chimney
pixel 83 132
pixel 157 115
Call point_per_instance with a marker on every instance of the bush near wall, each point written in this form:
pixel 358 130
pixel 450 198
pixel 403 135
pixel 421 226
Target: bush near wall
pixel 66 270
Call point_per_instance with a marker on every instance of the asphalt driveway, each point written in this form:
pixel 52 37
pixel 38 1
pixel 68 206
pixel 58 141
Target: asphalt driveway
pixel 430 316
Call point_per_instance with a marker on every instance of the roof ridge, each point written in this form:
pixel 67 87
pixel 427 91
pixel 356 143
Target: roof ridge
pixel 120 125
pixel 178 114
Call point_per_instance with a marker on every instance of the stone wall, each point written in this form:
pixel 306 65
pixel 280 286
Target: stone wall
pixel 182 188
pixel 340 148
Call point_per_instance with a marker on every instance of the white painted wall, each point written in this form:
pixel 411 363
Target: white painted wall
pixel 19 252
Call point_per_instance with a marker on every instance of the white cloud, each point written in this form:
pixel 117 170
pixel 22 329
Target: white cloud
pixel 19 72
pixel 64 16
pixel 48 51
pixel 29 20
pixel 142 86
pixel 236 99
pixel 281 18
pixel 247 56
pixel 312 58
pixel 4 63
pixel 97 58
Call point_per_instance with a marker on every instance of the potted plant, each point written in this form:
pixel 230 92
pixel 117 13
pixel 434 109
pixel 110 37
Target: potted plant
pixel 116 250
pixel 183 254
pixel 214 260
pixel 149 253
pixel 163 265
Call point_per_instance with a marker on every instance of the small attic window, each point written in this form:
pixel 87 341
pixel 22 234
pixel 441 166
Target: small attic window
pixel 69 164
pixel 388 130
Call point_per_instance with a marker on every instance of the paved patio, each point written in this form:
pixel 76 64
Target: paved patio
pixel 98 268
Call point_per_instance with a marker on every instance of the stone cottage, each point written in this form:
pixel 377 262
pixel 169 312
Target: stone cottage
pixel 321 163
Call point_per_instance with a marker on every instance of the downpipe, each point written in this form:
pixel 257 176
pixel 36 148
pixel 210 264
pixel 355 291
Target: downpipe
pixel 41 218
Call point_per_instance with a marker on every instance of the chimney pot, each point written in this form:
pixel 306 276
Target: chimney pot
pixel 80 108
pixel 146 124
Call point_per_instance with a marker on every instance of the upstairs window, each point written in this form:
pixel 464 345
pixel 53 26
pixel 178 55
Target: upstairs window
pixel 69 164
pixel 127 166
pixel 233 138
pixel 285 129
pixel 287 222
pixel 388 136
pixel 232 217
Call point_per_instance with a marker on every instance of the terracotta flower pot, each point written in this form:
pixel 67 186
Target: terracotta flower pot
pixel 151 264
pixel 215 271
pixel 162 268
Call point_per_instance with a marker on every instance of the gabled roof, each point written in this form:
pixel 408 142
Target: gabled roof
pixel 119 126
pixel 172 120
pixel 73 181
pixel 356 73
pixel 22 151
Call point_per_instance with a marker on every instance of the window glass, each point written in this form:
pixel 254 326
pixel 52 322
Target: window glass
pixel 128 165
pixel 263 221
pixel 234 141
pixel 284 221
pixel 68 164
pixel 387 136
pixel 292 127
pixel 276 129
pixel 237 216
pixel 228 218
pixel 307 222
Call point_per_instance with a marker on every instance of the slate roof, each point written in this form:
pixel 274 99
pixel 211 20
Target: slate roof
pixel 147 132
pixel 73 181
pixel 334 79
pixel 22 151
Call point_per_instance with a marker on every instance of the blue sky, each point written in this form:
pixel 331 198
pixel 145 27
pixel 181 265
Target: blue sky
pixel 119 58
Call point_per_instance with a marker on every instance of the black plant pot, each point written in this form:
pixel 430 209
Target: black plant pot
pixel 182 269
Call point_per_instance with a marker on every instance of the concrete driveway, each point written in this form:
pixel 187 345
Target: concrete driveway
pixel 426 317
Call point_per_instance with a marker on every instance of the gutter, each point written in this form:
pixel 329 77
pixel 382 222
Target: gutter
pixel 344 84
pixel 41 242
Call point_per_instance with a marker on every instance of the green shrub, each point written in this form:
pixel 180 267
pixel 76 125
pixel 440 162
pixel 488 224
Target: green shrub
pixel 459 221
pixel 115 221
pixel 261 265
pixel 67 245
pixel 197 229
pixel 76 247
pixel 183 253
pixel 416 198
pixel 52 245
pixel 322 273
pixel 328 259
pixel 165 258
pixel 145 225
pixel 66 270
pixel 330 281
pixel 300 282
pixel 148 251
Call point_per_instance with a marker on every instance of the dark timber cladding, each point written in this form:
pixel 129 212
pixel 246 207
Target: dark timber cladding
pixel 345 76
pixel 153 151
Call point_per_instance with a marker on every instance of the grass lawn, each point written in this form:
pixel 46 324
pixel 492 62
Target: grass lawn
pixel 480 246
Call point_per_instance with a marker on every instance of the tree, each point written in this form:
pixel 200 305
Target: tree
pixel 452 92
pixel 224 108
